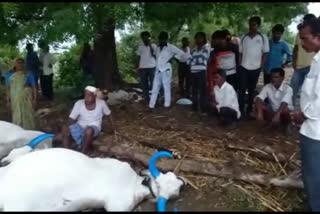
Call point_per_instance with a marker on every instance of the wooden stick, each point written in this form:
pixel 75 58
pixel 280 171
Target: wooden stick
pixel 284 171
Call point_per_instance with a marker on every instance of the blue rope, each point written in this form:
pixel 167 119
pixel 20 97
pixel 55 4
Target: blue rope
pixel 39 139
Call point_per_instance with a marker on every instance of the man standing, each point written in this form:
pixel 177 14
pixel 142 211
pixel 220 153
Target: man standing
pixel 301 63
pixel 225 57
pixel 253 50
pixel 85 120
pixel 278 48
pixel 46 82
pixel 146 63
pixel 198 66
pixel 184 70
pixel 163 75
pixel 32 63
pixel 309 116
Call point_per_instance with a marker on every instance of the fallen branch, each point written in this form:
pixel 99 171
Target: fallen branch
pixel 203 167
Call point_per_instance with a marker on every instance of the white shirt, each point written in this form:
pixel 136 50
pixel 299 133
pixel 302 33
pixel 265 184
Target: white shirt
pixel 310 101
pixel 164 56
pixel 252 50
pixel 85 117
pixel 226 97
pixel 46 60
pixel 186 56
pixel 146 59
pixel 277 96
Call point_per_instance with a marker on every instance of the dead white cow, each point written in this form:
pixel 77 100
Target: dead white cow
pixel 118 97
pixel 14 140
pixel 59 179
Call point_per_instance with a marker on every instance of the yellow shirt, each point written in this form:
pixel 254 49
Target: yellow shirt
pixel 304 58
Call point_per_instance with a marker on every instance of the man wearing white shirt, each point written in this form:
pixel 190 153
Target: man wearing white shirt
pixel 184 70
pixel 85 120
pixel 225 101
pixel 279 96
pixel 46 80
pixel 309 116
pixel 253 50
pixel 147 63
pixel 163 75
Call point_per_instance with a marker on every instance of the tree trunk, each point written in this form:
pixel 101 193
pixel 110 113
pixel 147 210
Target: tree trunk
pixel 107 74
pixel 201 167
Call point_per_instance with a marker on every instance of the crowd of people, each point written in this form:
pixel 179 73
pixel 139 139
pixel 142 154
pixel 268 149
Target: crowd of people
pixel 220 79
pixel 217 78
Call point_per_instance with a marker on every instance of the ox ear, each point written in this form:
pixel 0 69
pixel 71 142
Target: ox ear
pixel 184 181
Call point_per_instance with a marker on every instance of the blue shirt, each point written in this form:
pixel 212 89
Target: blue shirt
pixel 276 54
pixel 30 79
pixel 32 62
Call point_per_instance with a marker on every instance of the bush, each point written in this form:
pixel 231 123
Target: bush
pixel 69 74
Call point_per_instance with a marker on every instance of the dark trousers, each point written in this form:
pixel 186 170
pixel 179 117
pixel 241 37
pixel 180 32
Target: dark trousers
pixel 248 81
pixel 310 159
pixel 184 79
pixel 233 80
pixel 46 83
pixel 226 115
pixel 199 90
pixel 146 80
pixel 36 79
pixel 266 78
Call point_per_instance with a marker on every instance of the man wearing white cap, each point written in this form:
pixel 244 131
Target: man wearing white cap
pixel 85 120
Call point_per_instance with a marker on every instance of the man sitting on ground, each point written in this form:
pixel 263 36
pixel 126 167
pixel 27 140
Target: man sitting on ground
pixel 279 99
pixel 225 101
pixel 85 120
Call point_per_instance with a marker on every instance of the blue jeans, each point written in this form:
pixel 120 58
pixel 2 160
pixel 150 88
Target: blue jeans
pixel 310 159
pixel 297 80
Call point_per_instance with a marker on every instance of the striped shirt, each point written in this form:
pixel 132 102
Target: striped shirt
pixel 199 59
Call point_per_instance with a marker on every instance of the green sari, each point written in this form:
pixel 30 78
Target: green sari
pixel 21 101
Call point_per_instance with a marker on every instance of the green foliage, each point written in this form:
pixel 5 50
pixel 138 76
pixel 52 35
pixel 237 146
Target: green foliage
pixel 8 54
pixel 127 58
pixel 69 74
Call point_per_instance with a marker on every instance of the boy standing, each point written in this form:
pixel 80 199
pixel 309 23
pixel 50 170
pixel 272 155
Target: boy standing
pixel 147 63
pixel 184 70
pixel 163 75
pixel 278 48
pixel 253 49
pixel 198 63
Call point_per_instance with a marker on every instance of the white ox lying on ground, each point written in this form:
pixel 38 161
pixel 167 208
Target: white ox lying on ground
pixel 65 180
pixel 13 141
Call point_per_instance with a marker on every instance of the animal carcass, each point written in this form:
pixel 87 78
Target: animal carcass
pixel 14 137
pixel 65 180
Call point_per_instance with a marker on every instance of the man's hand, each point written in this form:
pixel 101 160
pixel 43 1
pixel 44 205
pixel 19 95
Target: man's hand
pixel 297 117
pixel 276 119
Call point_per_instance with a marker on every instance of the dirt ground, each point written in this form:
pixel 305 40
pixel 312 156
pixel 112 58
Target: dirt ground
pixel 197 137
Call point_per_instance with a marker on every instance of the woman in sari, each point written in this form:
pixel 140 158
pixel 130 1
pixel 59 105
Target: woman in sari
pixel 22 95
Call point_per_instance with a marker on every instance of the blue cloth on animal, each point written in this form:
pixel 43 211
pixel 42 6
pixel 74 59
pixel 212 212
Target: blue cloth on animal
pixel 77 133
